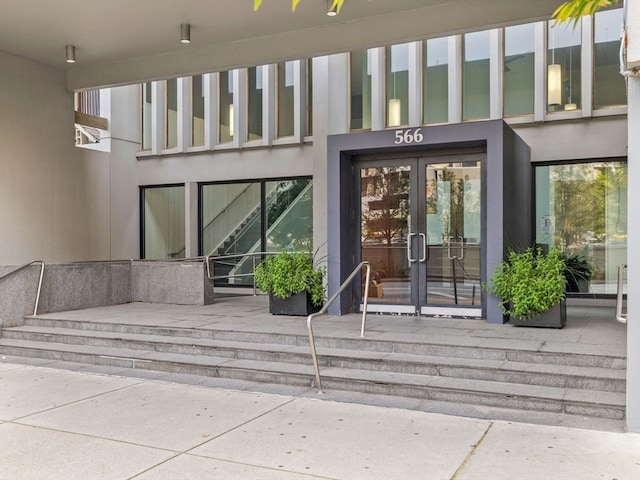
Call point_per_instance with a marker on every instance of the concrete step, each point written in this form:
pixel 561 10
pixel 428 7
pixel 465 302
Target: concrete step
pixel 593 378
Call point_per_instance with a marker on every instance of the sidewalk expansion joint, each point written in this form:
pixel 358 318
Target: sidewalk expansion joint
pixel 471 452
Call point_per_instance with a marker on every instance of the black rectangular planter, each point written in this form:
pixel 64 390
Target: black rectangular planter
pixel 555 317
pixel 298 304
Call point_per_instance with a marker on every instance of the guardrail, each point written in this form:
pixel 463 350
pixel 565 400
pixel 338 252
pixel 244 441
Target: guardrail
pixel 621 317
pixel 312 342
pixel 21 267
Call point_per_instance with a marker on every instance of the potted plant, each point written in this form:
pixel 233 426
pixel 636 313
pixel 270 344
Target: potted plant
pixel 577 272
pixel 294 282
pixel 531 285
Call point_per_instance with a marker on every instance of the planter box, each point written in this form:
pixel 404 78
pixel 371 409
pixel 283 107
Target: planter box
pixel 298 304
pixel 555 317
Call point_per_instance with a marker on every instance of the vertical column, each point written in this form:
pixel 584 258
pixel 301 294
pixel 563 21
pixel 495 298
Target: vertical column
pixel 540 72
pixel 455 79
pixel 415 83
pixel 239 107
pixel 269 98
pixel 191 232
pixel 586 66
pixel 184 113
pixel 158 106
pixel 299 100
pixel 378 96
pixel 211 118
pixel 496 69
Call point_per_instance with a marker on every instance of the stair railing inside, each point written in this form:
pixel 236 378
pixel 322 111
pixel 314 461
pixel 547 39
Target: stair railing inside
pixel 345 284
pixel 21 267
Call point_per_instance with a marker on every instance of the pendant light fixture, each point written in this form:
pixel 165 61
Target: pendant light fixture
pixel 332 9
pixel 71 54
pixel 185 33
pixel 554 80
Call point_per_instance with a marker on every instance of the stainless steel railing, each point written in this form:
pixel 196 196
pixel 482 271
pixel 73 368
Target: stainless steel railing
pixel 312 342
pixel 21 267
pixel 621 317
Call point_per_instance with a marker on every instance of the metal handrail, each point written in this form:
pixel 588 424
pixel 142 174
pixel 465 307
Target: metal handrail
pixel 312 342
pixel 621 317
pixel 17 269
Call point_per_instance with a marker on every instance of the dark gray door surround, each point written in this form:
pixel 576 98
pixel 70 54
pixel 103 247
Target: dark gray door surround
pixel 507 203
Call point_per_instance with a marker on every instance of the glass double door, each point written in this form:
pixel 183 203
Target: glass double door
pixel 420 230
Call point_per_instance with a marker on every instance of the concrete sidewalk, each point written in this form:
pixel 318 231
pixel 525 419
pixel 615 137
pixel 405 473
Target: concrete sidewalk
pixel 64 425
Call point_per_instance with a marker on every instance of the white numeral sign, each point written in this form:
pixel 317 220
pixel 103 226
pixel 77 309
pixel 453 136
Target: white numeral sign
pixel 409 135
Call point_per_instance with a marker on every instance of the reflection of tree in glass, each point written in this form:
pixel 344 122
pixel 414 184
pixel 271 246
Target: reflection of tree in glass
pixel 296 229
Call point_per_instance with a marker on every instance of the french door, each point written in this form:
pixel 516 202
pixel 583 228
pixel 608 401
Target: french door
pixel 420 229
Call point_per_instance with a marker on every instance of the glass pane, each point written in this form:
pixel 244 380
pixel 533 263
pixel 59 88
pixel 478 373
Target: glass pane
pixel 475 76
pixel 197 110
pixel 254 117
pixel 285 99
pixel 564 86
pixel 397 81
pixel 608 85
pixel 289 215
pixel 171 116
pixel 146 116
pixel 453 218
pixel 384 226
pixel 518 69
pixel 225 109
pixel 163 229
pixel 582 209
pixel 360 90
pixel 436 80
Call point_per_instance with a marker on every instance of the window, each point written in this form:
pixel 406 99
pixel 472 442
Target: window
pixel 608 85
pixel 475 76
pixel 255 103
pixel 564 86
pixel 197 110
pixel 360 90
pixel 163 222
pixel 171 113
pixel 518 84
pixel 397 85
pixel 436 80
pixel 286 99
pixel 225 107
pixel 146 116
pixel 582 208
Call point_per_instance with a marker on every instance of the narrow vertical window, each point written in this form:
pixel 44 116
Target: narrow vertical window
pixel 225 107
pixel 197 110
pixel 608 85
pixel 171 113
pixel 285 99
pixel 519 46
pixel 436 80
pixel 563 73
pixel 146 116
pixel 254 104
pixel 475 76
pixel 360 90
pixel 397 81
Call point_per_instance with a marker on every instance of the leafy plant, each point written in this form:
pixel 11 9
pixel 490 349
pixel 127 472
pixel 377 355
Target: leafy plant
pixel 529 282
pixel 286 274
pixel 577 267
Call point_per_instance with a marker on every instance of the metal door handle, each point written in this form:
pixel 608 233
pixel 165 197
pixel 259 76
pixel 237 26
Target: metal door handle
pixel 461 247
pixel 424 247
pixel 411 260
pixel 449 248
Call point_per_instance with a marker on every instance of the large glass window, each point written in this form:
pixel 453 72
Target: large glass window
pixel 397 84
pixel 254 104
pixel 171 113
pixel 475 76
pixel 163 222
pixel 564 85
pixel 519 47
pixel 608 85
pixel 436 80
pixel 285 99
pixel 225 107
pixel 360 90
pixel 582 209
pixel 146 116
pixel 197 110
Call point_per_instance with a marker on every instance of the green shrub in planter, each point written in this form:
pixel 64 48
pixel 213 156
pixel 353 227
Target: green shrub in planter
pixel 529 282
pixel 286 274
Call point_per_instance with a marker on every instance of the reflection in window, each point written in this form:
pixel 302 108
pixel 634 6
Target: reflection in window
pixel 289 215
pixel 171 113
pixel 285 99
pixel 146 116
pixel 254 116
pixel 582 208
pixel 397 81
pixel 225 108
pixel 197 110
pixel 163 222
pixel 519 46
pixel 436 80
pixel 475 76
pixel 360 90
pixel 608 85
pixel 564 86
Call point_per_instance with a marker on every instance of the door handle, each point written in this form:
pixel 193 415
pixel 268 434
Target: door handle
pixel 449 256
pixel 411 260
pixel 424 247
pixel 461 247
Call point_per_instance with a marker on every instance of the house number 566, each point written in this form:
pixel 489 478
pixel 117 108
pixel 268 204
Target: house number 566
pixel 409 135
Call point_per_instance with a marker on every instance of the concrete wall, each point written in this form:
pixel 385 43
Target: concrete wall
pixel 182 283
